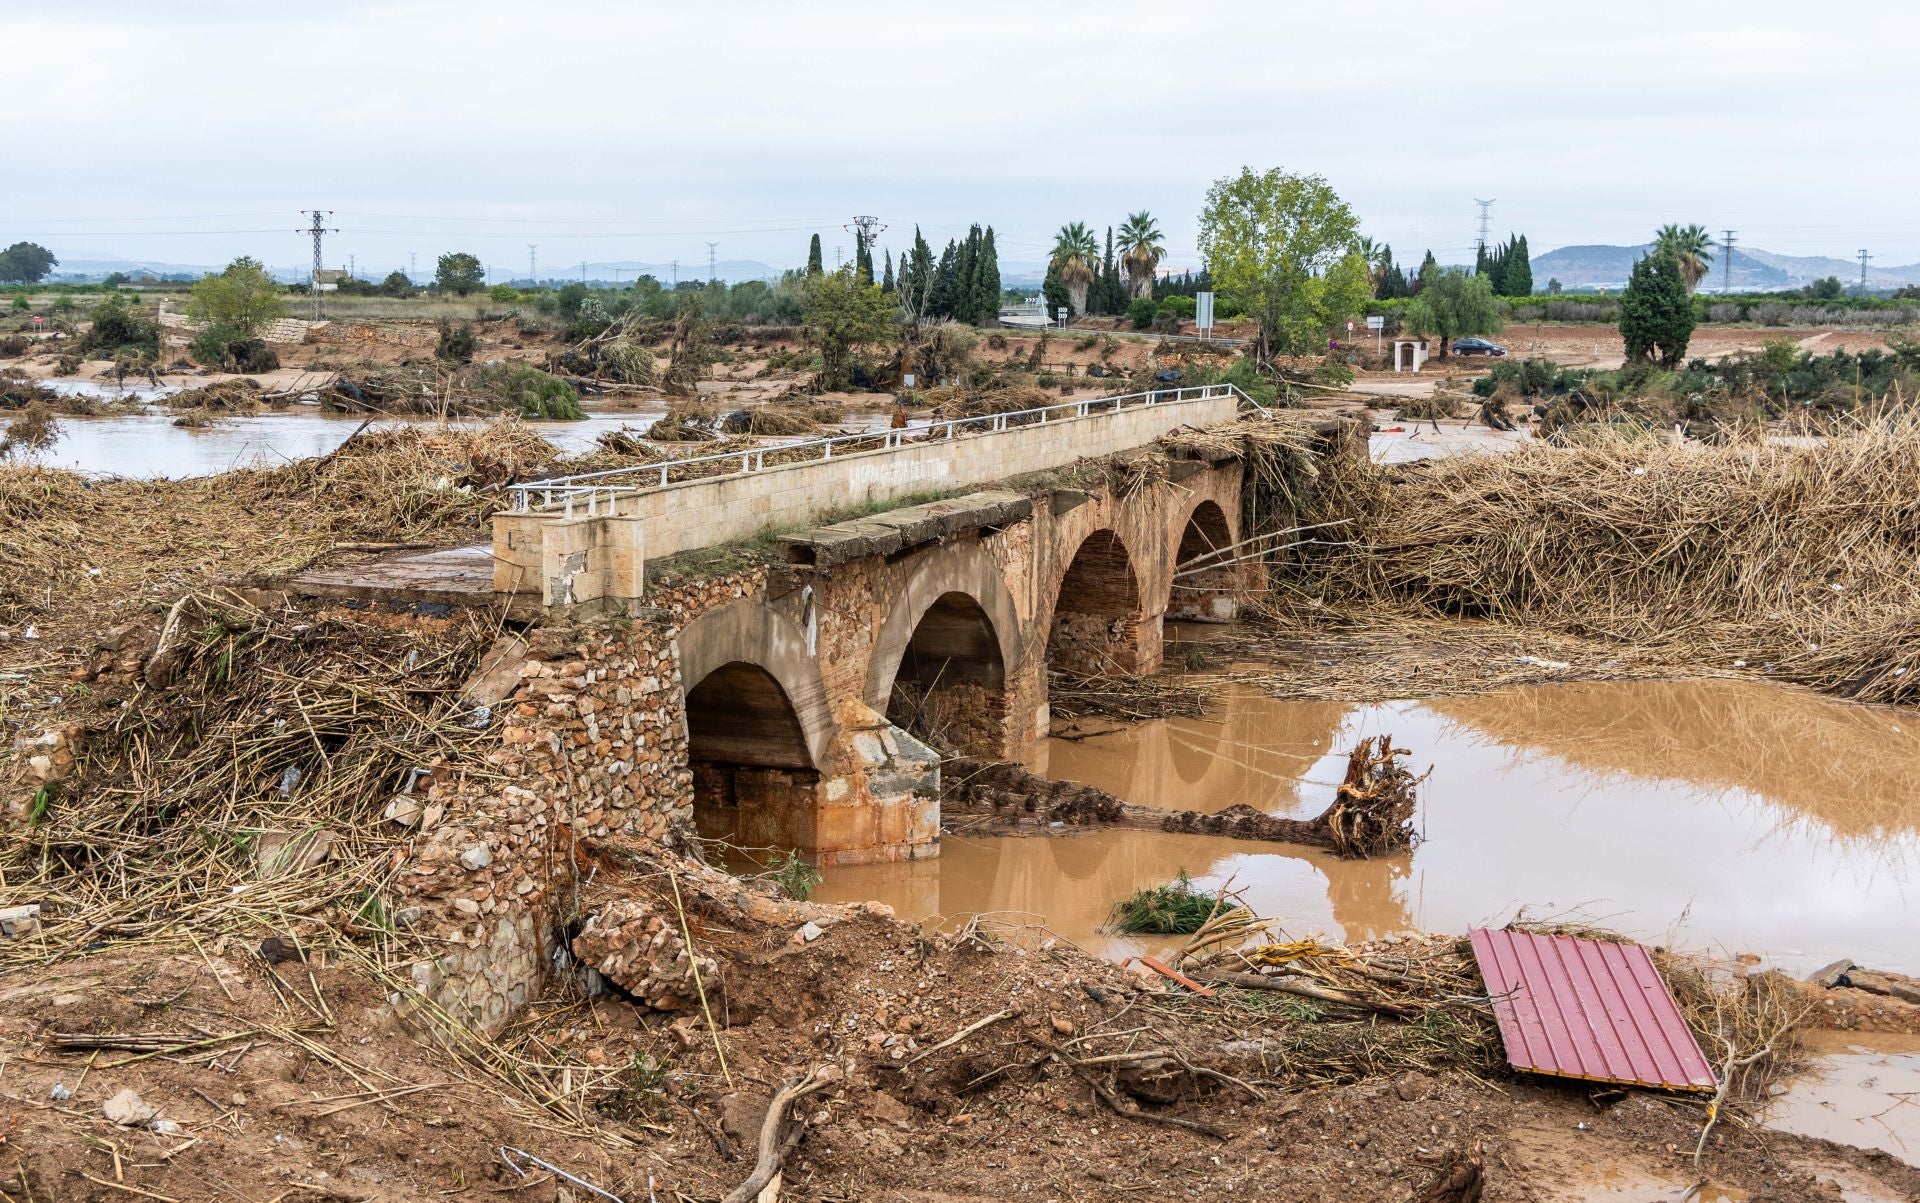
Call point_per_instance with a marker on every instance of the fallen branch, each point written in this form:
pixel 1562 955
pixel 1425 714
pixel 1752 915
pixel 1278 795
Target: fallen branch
pixel 958 1036
pixel 1302 989
pixel 773 1145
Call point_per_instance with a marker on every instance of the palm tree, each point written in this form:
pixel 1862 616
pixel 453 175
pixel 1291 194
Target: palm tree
pixel 1076 256
pixel 1689 245
pixel 1379 257
pixel 1141 252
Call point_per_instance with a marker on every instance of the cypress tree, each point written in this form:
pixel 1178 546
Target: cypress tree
pixel 916 276
pixel 862 261
pixel 1393 284
pixel 962 303
pixel 886 281
pixel 814 266
pixel 1519 270
pixel 986 284
pixel 941 298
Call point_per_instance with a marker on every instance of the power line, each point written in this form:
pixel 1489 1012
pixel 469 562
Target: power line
pixel 318 229
pixel 711 248
pixel 1726 264
pixel 533 272
pixel 1486 209
pixel 1863 270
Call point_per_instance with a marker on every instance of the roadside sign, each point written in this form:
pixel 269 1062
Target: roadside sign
pixel 1203 311
pixel 1062 313
pixel 1375 322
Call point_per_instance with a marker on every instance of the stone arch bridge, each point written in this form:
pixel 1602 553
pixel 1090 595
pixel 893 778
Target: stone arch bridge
pixel 941 618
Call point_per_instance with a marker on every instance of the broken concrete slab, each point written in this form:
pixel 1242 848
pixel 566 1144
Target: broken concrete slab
pixel 19 922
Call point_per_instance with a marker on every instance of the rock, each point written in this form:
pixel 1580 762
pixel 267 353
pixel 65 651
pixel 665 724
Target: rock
pixel 1829 976
pixel 19 922
pixel 403 809
pixel 476 858
pixel 1883 984
pixel 127 1109
pixel 808 933
pixel 59 1093
pixel 1063 1025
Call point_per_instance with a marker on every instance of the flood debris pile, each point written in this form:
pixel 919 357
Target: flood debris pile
pixel 246 783
pixel 1793 561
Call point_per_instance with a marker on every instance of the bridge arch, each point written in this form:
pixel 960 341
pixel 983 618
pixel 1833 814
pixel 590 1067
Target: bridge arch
pixel 758 726
pixel 947 650
pixel 1099 622
pixel 1210 592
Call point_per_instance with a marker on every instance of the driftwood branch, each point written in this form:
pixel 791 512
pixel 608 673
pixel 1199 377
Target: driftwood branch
pixel 774 1143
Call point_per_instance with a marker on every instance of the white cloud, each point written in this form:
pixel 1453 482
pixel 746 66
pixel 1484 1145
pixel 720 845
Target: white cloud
pixel 1589 123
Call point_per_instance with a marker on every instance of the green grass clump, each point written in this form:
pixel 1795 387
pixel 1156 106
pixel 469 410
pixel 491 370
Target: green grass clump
pixel 1175 909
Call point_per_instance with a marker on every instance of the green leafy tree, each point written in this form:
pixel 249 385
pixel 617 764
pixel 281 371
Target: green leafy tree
pixel 26 263
pixel 1429 268
pixel 115 280
pixel 1691 248
pixel 1450 305
pixel 20 303
pixel 1280 247
pixel 1656 312
pixel 1054 291
pixel 1075 259
pixel 815 265
pixel 242 299
pixel 1829 289
pixel 397 284
pixel 1553 286
pixel 841 316
pixel 459 273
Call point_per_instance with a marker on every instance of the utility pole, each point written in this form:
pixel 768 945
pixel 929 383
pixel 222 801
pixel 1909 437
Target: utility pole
pixel 711 273
pixel 1863 270
pixel 533 260
pixel 839 260
pixel 1486 208
pixel 1726 262
pixel 583 271
pixel 317 229
pixel 676 275
pixel 864 230
pixel 353 269
pixel 413 266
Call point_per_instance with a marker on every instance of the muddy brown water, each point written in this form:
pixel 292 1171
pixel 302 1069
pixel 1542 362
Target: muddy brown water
pixel 1716 815
pixel 148 445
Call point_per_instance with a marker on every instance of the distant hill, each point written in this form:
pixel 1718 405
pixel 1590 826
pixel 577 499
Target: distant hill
pixel 1593 267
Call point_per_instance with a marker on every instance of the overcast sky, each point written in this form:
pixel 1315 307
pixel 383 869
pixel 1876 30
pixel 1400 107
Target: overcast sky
pixel 194 130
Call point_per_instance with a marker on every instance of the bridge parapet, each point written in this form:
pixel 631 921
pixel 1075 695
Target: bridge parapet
pixel 781 487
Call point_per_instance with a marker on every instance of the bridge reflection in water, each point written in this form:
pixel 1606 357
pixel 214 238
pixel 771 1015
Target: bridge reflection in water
pixel 1670 810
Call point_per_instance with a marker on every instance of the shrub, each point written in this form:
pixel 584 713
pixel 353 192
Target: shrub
pixel 226 349
pixel 1140 312
pixel 1180 307
pixel 1177 908
pixel 14 344
pixel 533 393
pixel 457 343
pixel 118 323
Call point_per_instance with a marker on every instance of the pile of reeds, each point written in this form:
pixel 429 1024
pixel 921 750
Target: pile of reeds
pixel 1799 557
pixel 18 391
pixel 243 789
pixel 237 396
pixel 691 421
pixel 1131 698
pixel 31 430
pixel 763 420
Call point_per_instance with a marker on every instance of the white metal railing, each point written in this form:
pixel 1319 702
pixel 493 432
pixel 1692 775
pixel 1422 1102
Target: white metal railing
pixel 597 492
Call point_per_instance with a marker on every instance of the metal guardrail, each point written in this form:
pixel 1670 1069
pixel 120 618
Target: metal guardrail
pixel 597 492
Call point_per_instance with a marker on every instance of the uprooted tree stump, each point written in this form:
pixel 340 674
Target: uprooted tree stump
pixel 1371 814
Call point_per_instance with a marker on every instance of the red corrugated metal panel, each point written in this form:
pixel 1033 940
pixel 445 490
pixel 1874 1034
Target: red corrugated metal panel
pixel 1587 1009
